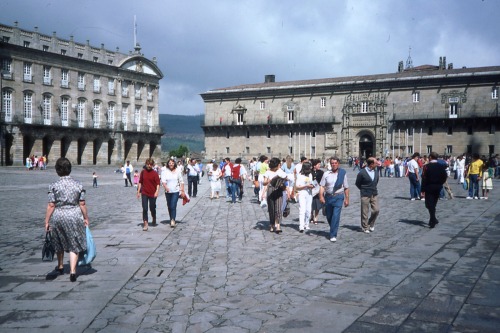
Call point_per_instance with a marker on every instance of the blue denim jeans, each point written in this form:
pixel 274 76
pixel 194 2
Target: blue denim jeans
pixel 172 199
pixel 235 190
pixel 333 207
pixel 228 187
pixel 473 185
pixel 414 186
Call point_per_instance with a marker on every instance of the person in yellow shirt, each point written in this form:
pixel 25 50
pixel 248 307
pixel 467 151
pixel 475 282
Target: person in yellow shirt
pixel 474 172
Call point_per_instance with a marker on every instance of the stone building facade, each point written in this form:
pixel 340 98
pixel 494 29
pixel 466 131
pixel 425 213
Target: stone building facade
pixel 61 98
pixel 417 109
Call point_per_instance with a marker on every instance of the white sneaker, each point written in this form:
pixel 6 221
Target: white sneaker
pixel 307 228
pixel 412 199
pixel 469 198
pixel 372 229
pixel 476 198
pixel 366 231
pixel 333 239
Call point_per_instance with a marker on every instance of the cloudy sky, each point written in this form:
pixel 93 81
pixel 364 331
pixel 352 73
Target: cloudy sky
pixel 203 45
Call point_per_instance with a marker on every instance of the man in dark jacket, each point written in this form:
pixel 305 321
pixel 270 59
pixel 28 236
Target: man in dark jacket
pixel 367 181
pixel 433 177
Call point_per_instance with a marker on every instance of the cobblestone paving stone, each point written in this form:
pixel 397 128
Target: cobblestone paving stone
pixel 221 270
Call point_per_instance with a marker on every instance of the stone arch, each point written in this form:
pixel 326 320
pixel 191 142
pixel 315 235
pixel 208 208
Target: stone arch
pixel 127 147
pixel 28 143
pixel 7 155
pixel 96 148
pixel 65 144
pixel 81 144
pixel 47 142
pixel 366 144
pixel 111 148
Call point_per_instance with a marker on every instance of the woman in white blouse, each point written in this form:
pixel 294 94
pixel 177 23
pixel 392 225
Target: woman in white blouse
pixel 172 182
pixel 214 176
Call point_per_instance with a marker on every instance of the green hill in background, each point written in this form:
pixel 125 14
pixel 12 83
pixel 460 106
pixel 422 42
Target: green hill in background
pixel 185 130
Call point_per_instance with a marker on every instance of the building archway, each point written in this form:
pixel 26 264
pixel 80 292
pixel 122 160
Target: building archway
pixel 65 143
pixel 111 148
pixel 28 143
pixel 366 145
pixel 82 143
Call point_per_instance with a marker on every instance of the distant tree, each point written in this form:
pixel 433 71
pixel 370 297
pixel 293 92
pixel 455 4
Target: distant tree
pixel 179 152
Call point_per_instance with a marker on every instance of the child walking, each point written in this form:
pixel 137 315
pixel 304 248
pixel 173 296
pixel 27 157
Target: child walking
pixel 488 173
pixel 94 179
pixel 136 178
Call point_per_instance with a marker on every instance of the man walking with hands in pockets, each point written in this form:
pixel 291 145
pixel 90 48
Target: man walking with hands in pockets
pixel 366 182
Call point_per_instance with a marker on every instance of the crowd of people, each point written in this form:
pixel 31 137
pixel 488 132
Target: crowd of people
pixel 33 162
pixel 276 184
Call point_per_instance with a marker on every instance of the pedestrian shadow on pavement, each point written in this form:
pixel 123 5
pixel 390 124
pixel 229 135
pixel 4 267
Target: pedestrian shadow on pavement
pixel 319 233
pixel 352 227
pixel 414 222
pixel 262 225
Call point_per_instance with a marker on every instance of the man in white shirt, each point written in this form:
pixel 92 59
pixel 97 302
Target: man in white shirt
pixel 192 175
pixel 413 175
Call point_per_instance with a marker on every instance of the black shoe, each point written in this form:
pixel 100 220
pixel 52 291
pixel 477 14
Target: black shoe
pixel 60 270
pixel 72 277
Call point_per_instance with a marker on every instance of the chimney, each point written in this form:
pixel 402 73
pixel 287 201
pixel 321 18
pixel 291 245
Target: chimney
pixel 269 78
pixel 444 62
pixel 450 65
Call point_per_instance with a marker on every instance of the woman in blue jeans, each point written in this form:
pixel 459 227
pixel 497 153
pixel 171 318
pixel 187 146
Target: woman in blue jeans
pixel 172 182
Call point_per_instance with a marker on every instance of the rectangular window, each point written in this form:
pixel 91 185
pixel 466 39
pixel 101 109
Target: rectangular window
pixel 111 86
pixel 240 119
pixel 47 106
pixel 95 59
pixel 450 130
pixel 124 89
pixel 323 102
pixel 290 117
pixel 453 110
pixel 364 107
pixel 492 129
pixel 227 150
pixel 26 44
pixel 6 67
pixel 494 93
pixel 290 134
pixel 247 150
pixel 137 116
pixel 313 151
pixel 125 117
pixel 469 130
pixel 248 134
pixel 268 134
pixel 262 105
pixel 429 131
pixel 150 93
pixel 63 52
pixel 28 107
pixel 111 115
pixel 227 135
pixel 47 79
pixel 80 56
pixel 7 104
pixel 27 75
pixel 110 62
pixel 449 150
pixel 96 114
pixel 149 118
pixel 80 113
pixel 64 111
pixel 137 89
pixel 81 81
pixel 268 149
pixel 45 48
pixel 290 150
pixel 313 134
pixel 416 96
pixel 429 149
pixel 97 84
pixel 64 78
pixel 410 150
pixel 491 150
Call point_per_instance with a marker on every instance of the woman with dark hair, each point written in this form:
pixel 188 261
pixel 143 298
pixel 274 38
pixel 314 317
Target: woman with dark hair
pixel 274 179
pixel 66 217
pixel 172 182
pixel 147 190
pixel 304 186
pixel 317 174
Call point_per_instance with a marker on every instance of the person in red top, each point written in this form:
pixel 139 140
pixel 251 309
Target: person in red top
pixel 147 188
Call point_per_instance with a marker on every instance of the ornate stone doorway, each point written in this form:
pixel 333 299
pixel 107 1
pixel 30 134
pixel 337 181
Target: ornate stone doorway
pixel 366 146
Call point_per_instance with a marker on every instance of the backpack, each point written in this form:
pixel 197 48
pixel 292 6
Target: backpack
pixel 235 172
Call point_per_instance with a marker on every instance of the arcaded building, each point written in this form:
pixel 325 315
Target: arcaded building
pixel 416 109
pixel 61 98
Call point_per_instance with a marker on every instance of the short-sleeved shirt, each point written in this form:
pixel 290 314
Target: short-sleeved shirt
pixel 328 182
pixel 412 165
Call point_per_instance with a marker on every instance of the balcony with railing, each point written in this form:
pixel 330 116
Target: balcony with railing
pixel 81 86
pixel 28 78
pixel 267 121
pixel 7 75
pixel 64 84
pixel 47 81
pixel 444 115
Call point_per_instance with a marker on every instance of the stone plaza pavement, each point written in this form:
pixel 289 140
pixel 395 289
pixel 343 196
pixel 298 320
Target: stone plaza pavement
pixel 221 270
